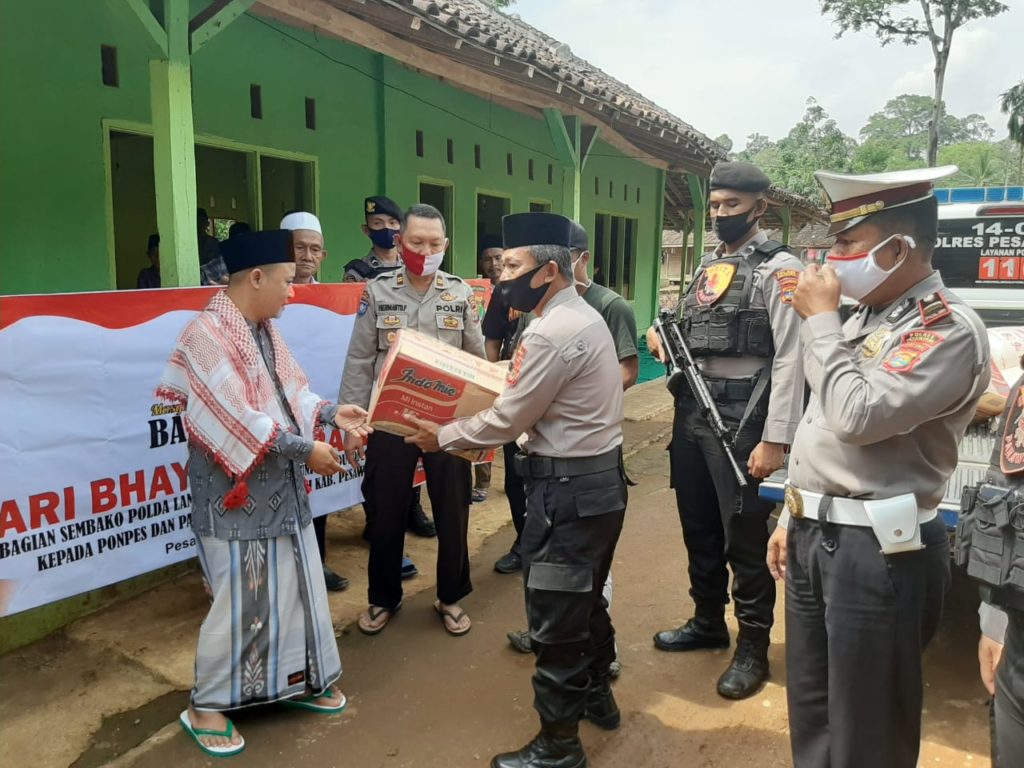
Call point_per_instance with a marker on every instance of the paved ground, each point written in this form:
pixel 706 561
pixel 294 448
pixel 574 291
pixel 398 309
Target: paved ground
pixel 111 686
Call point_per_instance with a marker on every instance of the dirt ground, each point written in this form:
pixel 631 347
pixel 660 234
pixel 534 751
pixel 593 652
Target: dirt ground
pixel 422 699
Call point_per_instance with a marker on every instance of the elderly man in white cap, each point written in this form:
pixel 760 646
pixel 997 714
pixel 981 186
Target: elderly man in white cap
pixel 308 247
pixel 893 390
pixel 308 244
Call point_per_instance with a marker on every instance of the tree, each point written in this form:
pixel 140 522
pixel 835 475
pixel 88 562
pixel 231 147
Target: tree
pixel 756 144
pixel 725 142
pixel 903 122
pixel 940 19
pixel 1012 104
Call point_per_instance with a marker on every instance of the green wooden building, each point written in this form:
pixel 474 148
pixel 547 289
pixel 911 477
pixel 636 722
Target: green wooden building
pixel 124 116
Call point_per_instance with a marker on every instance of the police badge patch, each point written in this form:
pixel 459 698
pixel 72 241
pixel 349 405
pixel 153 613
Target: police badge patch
pixel 874 343
pixel 516 367
pixel 1011 449
pixel 364 303
pixel 713 282
pixel 787 280
pixel 913 346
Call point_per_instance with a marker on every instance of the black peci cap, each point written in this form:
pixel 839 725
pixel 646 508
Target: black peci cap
pixel 743 177
pixel 487 242
pixel 578 238
pixel 521 229
pixel 257 249
pixel 379 204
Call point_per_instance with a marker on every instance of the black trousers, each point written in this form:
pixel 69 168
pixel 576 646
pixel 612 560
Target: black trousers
pixel 572 527
pixel 1008 744
pixel 856 624
pixel 387 494
pixel 515 490
pixel 320 529
pixel 722 525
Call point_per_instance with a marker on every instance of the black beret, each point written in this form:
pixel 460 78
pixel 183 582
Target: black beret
pixel 384 205
pixel 257 249
pixel 578 238
pixel 743 177
pixel 487 242
pixel 521 229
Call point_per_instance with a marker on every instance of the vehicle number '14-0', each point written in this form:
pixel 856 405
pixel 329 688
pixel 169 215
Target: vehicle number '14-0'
pixel 997 228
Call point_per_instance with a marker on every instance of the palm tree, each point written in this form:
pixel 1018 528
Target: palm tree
pixel 1013 105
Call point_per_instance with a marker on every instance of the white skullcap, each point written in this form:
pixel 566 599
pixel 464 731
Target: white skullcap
pixel 301 220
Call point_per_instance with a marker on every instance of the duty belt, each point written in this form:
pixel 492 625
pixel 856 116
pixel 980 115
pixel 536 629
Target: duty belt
pixel 530 467
pixel 832 509
pixel 727 390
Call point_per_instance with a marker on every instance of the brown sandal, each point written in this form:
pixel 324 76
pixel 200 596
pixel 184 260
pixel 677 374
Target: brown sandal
pixel 374 613
pixel 444 613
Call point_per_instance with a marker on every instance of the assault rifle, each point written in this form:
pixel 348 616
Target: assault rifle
pixel 681 367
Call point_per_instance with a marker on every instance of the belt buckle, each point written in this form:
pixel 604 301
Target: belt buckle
pixel 794 502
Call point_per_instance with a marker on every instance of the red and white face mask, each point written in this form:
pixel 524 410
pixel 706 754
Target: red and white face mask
pixel 421 263
pixel 859 273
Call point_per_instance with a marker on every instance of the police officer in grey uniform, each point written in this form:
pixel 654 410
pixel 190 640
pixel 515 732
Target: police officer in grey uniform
pixel 893 390
pixel 421 297
pixel 990 543
pixel 382 225
pixel 564 391
pixel 737 321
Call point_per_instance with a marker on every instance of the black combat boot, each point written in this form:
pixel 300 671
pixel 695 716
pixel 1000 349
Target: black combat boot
pixel 601 708
pixel 705 630
pixel 749 668
pixel 556 746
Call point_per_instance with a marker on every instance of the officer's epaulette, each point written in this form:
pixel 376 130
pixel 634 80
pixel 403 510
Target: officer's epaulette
pixel 900 311
pixel 933 308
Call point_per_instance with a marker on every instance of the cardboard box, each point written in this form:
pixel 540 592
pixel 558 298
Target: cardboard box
pixel 434 381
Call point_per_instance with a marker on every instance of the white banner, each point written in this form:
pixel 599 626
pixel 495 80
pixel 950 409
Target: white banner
pixel 93 482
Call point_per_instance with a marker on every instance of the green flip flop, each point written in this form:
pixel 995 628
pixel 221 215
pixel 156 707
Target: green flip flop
pixel 227 733
pixel 310 704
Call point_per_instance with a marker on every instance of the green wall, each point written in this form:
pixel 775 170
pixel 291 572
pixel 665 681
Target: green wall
pixel 54 193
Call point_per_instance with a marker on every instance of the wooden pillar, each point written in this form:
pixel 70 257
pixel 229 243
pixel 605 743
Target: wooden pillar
pixel 699 195
pixel 786 214
pixel 659 228
pixel 174 154
pixel 572 143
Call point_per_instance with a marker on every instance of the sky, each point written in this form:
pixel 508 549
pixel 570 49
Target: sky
pixel 748 66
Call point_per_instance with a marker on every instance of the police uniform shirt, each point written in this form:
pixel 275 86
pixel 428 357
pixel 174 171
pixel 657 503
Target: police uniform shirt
pixel 447 311
pixel 893 395
pixel 773 284
pixel 564 389
pixel 374 262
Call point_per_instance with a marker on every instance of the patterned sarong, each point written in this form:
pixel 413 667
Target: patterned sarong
pixel 268 635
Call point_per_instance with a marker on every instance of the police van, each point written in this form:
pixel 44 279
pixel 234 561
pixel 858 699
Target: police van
pixel 980 255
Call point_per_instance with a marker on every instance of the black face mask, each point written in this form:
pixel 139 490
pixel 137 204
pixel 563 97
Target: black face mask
pixel 729 229
pixel 519 294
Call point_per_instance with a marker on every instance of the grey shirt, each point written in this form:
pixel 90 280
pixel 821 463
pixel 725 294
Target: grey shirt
pixel 564 389
pixel 892 397
pixel 772 290
pixel 278 503
pixel 446 311
pixel 371 258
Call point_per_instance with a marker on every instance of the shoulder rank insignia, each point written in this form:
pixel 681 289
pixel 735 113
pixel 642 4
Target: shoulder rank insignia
pixel 399 278
pixel 439 281
pixel 897 312
pixel 787 280
pixel 933 308
pixel 913 346
pixel 1011 448
pixel 713 282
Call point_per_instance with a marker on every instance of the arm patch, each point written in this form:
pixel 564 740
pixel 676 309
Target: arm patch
pixel 787 280
pixel 913 346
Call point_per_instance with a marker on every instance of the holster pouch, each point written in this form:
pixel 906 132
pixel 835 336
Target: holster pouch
pixel 894 521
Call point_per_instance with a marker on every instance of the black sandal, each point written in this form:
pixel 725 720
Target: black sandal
pixel 374 613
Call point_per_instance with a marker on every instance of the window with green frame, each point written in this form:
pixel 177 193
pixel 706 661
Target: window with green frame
pixel 613 252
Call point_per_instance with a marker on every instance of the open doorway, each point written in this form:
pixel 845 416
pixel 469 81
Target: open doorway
pixel 440 196
pixel 489 211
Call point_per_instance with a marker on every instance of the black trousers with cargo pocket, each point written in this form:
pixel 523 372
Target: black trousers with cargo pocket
pixel 568 541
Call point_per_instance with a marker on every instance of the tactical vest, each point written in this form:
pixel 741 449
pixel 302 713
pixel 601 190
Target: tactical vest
pixel 727 325
pixel 990 533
